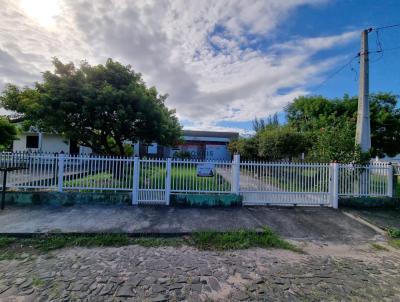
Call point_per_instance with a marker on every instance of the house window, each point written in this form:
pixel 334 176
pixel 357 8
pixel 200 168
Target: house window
pixel 32 141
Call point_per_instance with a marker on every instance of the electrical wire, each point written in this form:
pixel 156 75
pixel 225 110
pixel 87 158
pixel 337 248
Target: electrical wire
pixel 385 27
pixel 335 72
pixel 380 50
pixel 379 46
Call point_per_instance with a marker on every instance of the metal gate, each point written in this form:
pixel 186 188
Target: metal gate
pixel 285 183
pixel 151 179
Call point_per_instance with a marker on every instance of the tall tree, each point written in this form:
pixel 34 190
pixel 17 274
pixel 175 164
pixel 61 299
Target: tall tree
pixel 316 112
pixel 271 121
pixel 100 106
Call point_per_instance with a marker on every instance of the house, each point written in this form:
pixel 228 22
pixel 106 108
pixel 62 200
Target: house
pixel 208 145
pixel 36 141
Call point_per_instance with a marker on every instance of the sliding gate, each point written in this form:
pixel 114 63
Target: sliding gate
pixel 285 183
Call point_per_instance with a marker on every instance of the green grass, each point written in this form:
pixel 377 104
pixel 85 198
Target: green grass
pixel 184 177
pixel 394 233
pixel 15 248
pixel 53 242
pixel 89 181
pixel 6 241
pixel 7 255
pixel 241 239
pixel 379 247
pixel 37 282
pixel 395 243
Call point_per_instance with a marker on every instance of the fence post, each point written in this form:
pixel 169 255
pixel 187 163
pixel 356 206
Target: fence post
pixel 390 180
pixel 135 181
pixel 235 187
pixel 334 185
pixel 168 182
pixel 61 158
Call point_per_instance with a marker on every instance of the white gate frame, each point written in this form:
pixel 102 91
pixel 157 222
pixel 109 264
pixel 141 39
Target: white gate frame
pixel 334 185
pixel 135 180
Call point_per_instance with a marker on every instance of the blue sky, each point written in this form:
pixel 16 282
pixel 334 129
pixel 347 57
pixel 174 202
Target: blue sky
pixel 341 16
pixel 222 63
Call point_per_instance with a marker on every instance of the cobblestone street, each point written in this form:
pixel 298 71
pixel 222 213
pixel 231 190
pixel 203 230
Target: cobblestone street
pixel 135 273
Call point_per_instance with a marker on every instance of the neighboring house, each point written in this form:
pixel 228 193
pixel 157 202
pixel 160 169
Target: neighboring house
pixel 35 141
pixel 209 145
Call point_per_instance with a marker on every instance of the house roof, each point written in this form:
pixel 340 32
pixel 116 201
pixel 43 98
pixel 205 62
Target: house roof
pixel 219 134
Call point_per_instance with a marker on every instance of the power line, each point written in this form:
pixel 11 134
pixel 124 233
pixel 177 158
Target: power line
pixel 385 27
pixel 384 50
pixel 336 72
pixel 380 51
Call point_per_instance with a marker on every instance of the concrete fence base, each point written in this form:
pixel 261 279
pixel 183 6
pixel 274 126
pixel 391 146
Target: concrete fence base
pixel 66 198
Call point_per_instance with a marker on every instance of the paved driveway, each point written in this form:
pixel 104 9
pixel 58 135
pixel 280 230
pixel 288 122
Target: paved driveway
pixel 311 223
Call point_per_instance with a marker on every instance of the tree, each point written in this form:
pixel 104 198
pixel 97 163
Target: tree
pixel 311 114
pixel 246 147
pixel 336 143
pixel 8 133
pixel 270 122
pixel 100 107
pixel 281 143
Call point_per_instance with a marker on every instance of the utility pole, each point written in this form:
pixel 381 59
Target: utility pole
pixel 363 131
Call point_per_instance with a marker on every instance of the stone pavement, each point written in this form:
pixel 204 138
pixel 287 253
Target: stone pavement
pixel 133 273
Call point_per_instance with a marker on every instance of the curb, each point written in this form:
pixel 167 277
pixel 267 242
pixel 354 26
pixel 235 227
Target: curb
pixel 131 235
pixel 365 222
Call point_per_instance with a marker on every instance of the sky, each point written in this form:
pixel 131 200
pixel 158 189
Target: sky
pixel 222 62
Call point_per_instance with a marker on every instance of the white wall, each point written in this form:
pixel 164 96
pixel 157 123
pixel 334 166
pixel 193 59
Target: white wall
pixel 20 143
pixel 54 143
pixel 48 143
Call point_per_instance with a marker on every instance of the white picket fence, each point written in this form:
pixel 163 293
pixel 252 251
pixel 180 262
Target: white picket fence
pixel 152 181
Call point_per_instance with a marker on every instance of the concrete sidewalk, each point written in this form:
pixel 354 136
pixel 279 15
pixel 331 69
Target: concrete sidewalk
pixel 293 223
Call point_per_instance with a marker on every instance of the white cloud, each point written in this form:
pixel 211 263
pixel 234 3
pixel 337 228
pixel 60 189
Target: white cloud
pixel 199 52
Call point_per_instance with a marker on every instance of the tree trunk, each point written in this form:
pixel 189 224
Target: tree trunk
pixel 120 147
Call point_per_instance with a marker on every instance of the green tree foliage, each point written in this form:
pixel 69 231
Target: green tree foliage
pixel 271 143
pixel 335 142
pixel 8 133
pixel 281 143
pixel 317 114
pixel 97 106
pixel 270 122
pixel 246 147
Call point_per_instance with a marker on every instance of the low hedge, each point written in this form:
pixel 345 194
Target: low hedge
pixel 370 202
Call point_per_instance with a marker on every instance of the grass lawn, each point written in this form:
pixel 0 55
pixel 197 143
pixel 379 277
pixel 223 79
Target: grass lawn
pixel 15 248
pixel 89 181
pixel 153 176
pixel 182 178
